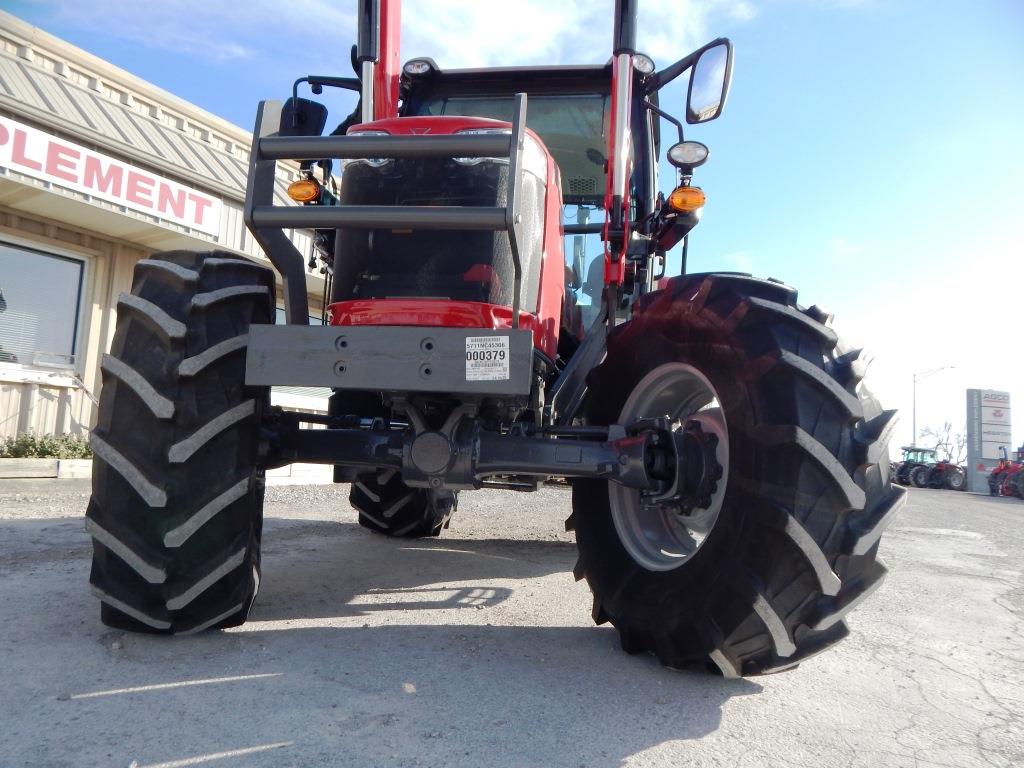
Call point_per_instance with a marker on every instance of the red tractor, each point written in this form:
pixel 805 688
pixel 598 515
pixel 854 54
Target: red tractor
pixel 1005 478
pixel 499 318
pixel 945 474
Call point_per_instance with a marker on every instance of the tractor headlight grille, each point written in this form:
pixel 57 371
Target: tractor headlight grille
pixel 376 162
pixel 534 159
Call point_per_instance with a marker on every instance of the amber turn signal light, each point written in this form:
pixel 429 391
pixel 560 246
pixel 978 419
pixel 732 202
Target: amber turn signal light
pixel 686 199
pixel 304 191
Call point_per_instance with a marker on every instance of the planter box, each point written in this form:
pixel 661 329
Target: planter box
pixel 74 469
pixel 67 469
pixel 64 469
pixel 13 468
pixel 301 474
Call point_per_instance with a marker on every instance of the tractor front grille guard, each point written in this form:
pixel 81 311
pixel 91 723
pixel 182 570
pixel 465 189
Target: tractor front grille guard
pixel 267 221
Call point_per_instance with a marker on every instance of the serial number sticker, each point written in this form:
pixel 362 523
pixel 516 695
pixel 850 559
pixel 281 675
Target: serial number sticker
pixel 487 358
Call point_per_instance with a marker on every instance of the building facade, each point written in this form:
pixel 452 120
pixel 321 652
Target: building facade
pixel 99 169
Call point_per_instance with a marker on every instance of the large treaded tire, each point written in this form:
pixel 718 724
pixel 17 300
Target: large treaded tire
pixel 1016 485
pixel 388 506
pixel 956 480
pixel 903 475
pixel 807 496
pixel 920 476
pixel 176 508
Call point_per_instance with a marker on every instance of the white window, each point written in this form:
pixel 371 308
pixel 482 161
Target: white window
pixel 40 298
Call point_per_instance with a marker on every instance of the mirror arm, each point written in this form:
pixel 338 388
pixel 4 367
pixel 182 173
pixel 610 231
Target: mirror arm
pixel 667 116
pixel 319 81
pixel 672 71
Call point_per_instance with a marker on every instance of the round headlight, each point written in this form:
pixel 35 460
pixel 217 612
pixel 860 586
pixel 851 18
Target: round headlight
pixel 417 67
pixel 687 154
pixel 373 162
pixel 643 64
pixel 477 160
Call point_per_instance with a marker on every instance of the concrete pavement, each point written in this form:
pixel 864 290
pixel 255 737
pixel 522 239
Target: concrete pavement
pixel 477 649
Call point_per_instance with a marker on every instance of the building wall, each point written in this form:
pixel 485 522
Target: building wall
pixel 51 86
pixel 56 400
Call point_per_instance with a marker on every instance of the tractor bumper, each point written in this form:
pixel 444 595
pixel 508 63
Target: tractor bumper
pixel 457 361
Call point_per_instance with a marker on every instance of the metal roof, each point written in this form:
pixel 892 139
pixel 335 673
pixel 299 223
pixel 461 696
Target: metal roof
pixel 66 91
pixel 116 112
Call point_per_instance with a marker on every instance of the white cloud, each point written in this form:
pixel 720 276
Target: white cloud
pixel 742 11
pixel 959 313
pixel 842 249
pixel 212 31
pixel 667 36
pixel 468 33
pixel 457 33
pixel 742 261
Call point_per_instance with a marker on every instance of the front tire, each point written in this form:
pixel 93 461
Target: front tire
pixel 176 509
pixel 388 506
pixel 384 503
pixel 1017 485
pixel 802 502
pixel 919 476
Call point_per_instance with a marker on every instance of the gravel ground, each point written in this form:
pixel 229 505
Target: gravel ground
pixel 477 649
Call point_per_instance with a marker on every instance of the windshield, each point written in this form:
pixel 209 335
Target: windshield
pixel 572 126
pixel 584 257
pixel 920 455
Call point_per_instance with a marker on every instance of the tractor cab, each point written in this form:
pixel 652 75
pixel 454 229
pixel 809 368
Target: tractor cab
pixel 599 214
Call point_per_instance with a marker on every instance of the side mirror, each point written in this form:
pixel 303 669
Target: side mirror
pixel 709 83
pixel 302 117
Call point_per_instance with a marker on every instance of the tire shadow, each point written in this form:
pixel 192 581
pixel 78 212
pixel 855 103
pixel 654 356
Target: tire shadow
pixel 340 569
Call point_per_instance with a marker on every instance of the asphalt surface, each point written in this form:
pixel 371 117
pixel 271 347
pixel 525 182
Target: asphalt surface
pixel 477 649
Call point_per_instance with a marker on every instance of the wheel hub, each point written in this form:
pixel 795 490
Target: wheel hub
pixel 662 529
pixel 700 466
pixel 683 458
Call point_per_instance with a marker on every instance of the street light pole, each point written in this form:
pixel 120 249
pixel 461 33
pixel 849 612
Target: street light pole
pixel 918 377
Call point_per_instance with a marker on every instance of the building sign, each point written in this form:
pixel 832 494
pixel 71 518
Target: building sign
pixel 35 153
pixel 988 434
pixel 999 415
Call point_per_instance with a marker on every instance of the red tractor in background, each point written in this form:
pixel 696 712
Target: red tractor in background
pixel 1007 478
pixel 729 469
pixel 946 474
pixel 1015 483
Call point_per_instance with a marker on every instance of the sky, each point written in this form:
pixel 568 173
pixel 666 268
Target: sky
pixel 870 154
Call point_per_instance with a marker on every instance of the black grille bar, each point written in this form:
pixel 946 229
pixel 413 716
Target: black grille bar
pixel 267 221
pixel 356 146
pixel 381 217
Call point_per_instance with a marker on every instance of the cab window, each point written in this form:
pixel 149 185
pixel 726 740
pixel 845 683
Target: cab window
pixel 572 126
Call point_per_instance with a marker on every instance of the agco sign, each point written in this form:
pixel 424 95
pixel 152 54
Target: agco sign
pixel 988 433
pixel 37 154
